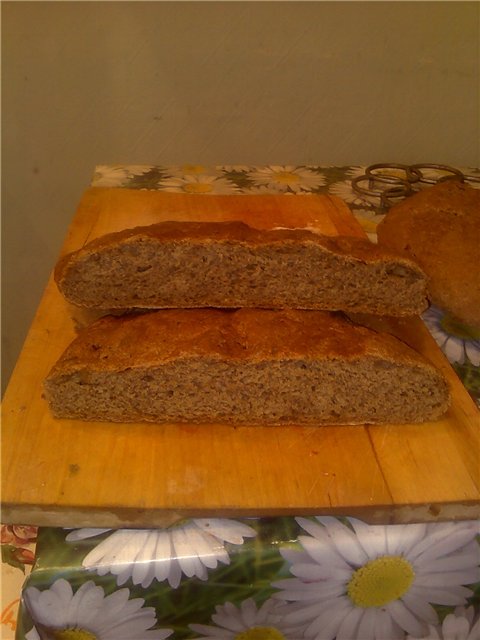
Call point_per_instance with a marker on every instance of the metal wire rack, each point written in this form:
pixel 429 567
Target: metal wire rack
pixel 390 181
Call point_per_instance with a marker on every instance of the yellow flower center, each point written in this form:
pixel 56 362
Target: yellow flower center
pixel 193 168
pixel 73 634
pixel 286 177
pixel 458 329
pixel 380 581
pixel 198 187
pixel 260 633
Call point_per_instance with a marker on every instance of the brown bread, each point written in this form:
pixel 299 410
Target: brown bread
pixel 230 265
pixel 439 228
pixel 246 366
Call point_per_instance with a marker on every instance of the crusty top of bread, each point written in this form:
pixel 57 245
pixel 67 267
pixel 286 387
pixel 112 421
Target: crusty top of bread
pixel 357 248
pixel 439 228
pixel 155 338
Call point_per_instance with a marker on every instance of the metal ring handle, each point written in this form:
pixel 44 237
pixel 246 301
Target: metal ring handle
pixel 412 175
pixel 469 178
pixel 402 187
pixel 456 173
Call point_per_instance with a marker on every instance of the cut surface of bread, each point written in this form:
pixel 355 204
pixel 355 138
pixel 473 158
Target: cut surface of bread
pixel 230 265
pixel 242 367
pixel 439 228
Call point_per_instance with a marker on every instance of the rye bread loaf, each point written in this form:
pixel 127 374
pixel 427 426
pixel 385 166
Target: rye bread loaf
pixel 439 228
pixel 246 366
pixel 231 265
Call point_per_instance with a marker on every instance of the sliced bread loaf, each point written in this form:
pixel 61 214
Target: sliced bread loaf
pixel 246 366
pixel 230 265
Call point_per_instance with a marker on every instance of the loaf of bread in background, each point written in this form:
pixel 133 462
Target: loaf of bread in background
pixel 231 265
pixel 439 228
pixel 247 366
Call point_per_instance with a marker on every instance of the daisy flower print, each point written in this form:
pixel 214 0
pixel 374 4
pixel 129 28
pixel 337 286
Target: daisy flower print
pixel 198 183
pixel 287 178
pixel 117 175
pixel 462 624
pixel 364 582
pixel 180 171
pixel 247 622
pixel 458 341
pixel 89 614
pixel 145 555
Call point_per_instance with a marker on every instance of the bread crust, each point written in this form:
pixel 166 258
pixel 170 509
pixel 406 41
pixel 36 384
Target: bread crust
pixel 152 342
pixel 398 283
pixel 157 337
pixel 235 231
pixel 439 228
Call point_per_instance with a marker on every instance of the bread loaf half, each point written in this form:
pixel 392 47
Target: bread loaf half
pixel 246 366
pixel 439 228
pixel 230 265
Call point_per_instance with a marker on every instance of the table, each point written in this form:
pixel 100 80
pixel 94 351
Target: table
pixel 261 577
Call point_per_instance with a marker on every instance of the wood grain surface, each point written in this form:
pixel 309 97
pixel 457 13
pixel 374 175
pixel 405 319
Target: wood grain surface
pixel 72 473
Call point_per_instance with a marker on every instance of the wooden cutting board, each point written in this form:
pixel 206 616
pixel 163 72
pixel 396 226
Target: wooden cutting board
pixel 75 474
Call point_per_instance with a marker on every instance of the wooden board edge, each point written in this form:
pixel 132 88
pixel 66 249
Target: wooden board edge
pixel 129 518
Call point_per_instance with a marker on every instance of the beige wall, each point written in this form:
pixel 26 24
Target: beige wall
pixel 88 83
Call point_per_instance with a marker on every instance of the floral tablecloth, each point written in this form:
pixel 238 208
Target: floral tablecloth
pixel 283 578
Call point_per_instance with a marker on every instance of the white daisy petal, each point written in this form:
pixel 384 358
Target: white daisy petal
pixel 82 534
pixel 250 614
pixel 310 591
pixel 206 549
pixel 48 604
pixel 109 176
pixel 144 570
pixel 372 539
pixel 405 618
pixel 309 612
pixel 467 559
pixel 455 627
pixel 385 627
pixel 86 602
pixel 106 551
pixel 448 596
pixel 310 572
pixel 323 552
pixel 454 349
pixel 449 540
pixel 368 622
pixel 420 607
pixel 312 527
pixel 117 602
pixel 468 576
pixel 183 553
pixel 174 575
pixel 345 541
pixel 401 538
pixel 294 556
pixel 326 624
pixel 228 621
pixel 473 352
pixel 163 556
pixel 475 631
pixel 104 617
pixel 349 625
pixel 228 530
